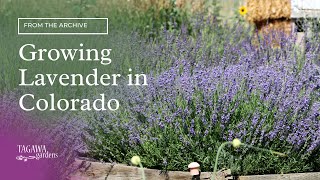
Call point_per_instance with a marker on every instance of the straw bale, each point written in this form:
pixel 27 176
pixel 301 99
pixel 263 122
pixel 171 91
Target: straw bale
pixel 275 26
pixel 261 10
pixel 274 30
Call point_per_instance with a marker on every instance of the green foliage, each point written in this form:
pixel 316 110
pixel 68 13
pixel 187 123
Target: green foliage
pixel 155 19
pixel 81 7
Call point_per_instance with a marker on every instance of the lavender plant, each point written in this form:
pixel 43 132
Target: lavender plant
pixel 212 88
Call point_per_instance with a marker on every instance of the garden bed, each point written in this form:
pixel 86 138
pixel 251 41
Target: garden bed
pixel 89 170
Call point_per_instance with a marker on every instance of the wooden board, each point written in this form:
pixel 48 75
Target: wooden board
pixel 308 4
pixel 106 171
pixel 297 176
pixel 305 8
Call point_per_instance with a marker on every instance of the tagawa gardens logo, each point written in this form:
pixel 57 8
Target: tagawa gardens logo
pixel 34 152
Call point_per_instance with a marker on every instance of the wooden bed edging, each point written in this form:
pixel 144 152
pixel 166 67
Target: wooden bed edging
pixel 294 176
pixel 106 171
